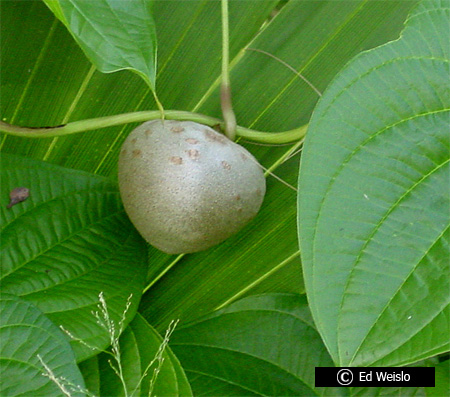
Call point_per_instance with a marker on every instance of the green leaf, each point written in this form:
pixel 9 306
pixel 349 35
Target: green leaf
pixel 442 381
pixel 114 35
pixel 260 345
pixel 69 241
pixel 387 391
pixel 139 345
pixel 373 200
pixel 29 340
pixel 91 374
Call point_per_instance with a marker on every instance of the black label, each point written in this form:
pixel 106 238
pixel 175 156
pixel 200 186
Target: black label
pixel 375 377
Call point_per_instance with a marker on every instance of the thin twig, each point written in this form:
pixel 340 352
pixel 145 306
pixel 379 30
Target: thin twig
pixel 289 67
pixel 293 154
pixel 267 144
pixel 269 172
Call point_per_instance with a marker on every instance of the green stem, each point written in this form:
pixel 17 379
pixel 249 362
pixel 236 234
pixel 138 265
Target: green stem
pixel 136 117
pixel 160 106
pixel 225 89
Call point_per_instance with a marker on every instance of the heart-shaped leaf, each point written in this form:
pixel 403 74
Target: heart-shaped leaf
pixel 374 204
pixel 67 243
pixel 113 34
pixel 34 353
pixel 140 345
pixel 260 345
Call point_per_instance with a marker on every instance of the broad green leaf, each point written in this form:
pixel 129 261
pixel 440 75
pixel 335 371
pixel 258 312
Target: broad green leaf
pixel 139 345
pixel 374 204
pixel 260 345
pixel 48 81
pixel 114 35
pixel 67 243
pixel 29 343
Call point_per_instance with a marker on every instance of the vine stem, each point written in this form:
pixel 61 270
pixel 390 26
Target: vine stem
pixel 225 89
pixel 136 117
pixel 160 106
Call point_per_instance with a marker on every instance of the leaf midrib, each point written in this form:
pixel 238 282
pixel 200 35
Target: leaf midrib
pixel 86 227
pixel 438 312
pixel 87 271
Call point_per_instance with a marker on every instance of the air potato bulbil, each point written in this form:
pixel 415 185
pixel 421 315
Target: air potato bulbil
pixel 186 187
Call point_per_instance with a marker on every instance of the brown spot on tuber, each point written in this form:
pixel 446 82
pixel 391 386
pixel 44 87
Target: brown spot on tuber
pixel 193 154
pixel 133 140
pixel 213 137
pixel 192 141
pixel 176 160
pixel 148 132
pixel 237 197
pixel 137 153
pixel 226 165
pixel 18 195
pixel 177 129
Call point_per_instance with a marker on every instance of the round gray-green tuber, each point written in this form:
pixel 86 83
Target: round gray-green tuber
pixel 187 187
